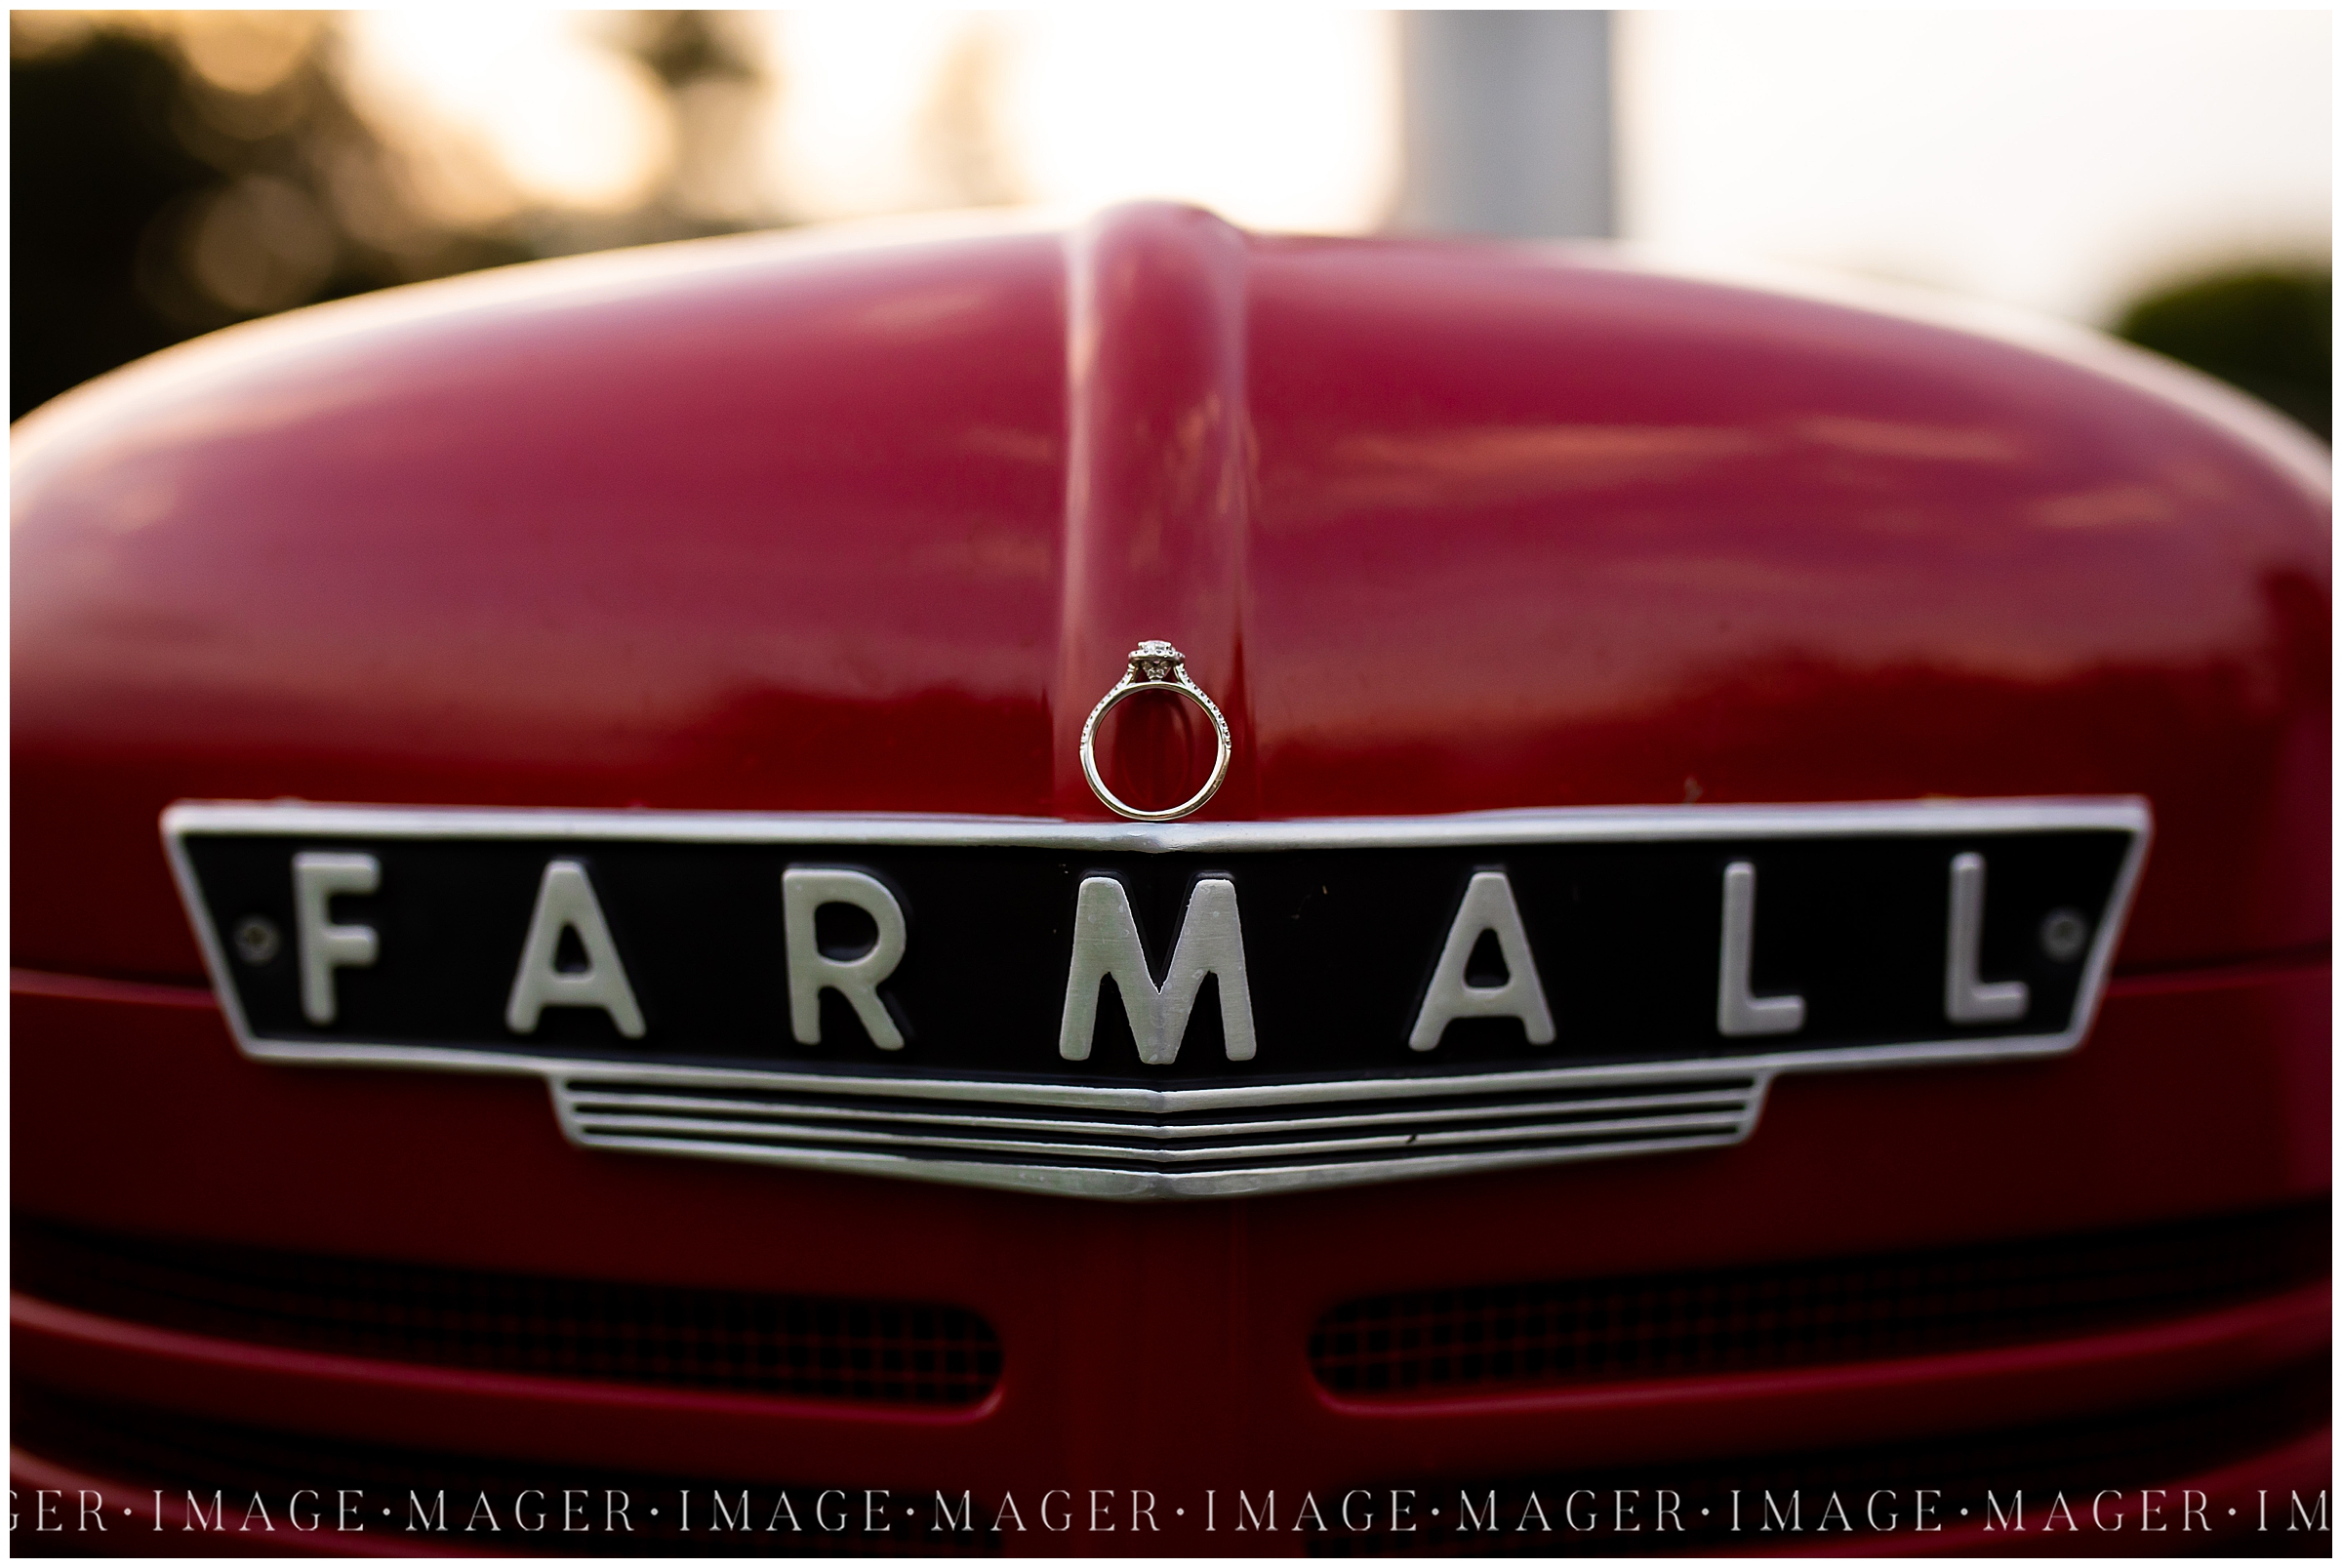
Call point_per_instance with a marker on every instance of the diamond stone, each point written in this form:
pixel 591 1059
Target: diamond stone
pixel 1155 661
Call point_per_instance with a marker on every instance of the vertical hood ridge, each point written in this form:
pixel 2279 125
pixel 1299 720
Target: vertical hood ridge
pixel 1158 461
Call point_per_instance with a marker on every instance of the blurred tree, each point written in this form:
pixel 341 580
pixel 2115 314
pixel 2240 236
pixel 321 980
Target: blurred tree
pixel 176 172
pixel 169 176
pixel 715 90
pixel 2269 331
pixel 92 161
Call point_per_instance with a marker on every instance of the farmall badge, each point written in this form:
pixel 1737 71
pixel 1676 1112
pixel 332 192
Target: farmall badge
pixel 1299 1004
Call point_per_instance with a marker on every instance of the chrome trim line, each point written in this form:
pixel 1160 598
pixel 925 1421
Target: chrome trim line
pixel 567 1077
pixel 1108 1154
pixel 1574 824
pixel 1096 1182
pixel 749 1112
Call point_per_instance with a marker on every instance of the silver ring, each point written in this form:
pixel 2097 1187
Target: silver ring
pixel 1155 666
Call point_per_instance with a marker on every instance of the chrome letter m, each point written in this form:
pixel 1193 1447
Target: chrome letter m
pixel 1105 941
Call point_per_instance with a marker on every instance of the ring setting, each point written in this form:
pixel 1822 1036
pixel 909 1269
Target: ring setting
pixel 1155 666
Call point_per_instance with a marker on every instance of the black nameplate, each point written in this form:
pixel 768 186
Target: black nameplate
pixel 1342 926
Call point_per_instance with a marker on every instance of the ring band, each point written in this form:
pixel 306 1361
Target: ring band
pixel 1155 666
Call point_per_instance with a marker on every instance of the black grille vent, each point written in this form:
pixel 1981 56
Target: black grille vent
pixel 740 1341
pixel 1810 1313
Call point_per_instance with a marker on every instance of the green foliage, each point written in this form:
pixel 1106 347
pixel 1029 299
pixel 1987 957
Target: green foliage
pixel 2269 331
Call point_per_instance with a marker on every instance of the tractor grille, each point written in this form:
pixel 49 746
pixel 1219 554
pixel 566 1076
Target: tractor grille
pixel 1335 1133
pixel 740 1342
pixel 1506 1337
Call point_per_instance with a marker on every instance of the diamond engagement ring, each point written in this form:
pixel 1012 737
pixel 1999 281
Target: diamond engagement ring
pixel 1155 666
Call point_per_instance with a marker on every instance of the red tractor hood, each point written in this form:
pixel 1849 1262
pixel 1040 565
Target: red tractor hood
pixel 810 522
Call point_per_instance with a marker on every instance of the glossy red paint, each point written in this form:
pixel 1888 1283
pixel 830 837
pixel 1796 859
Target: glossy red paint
pixel 789 523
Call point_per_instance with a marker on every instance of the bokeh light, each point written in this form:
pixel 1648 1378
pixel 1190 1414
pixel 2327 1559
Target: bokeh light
pixel 554 117
pixel 2057 160
pixel 1279 119
pixel 2072 162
